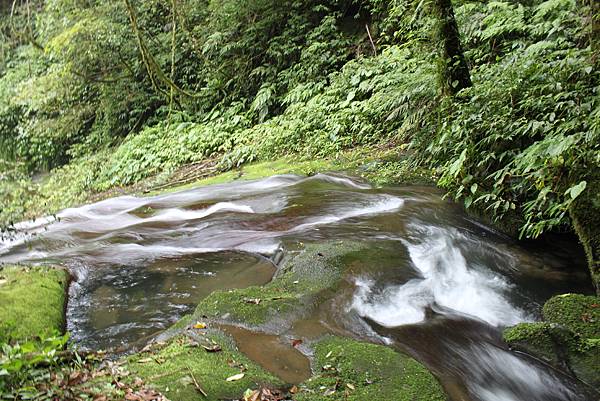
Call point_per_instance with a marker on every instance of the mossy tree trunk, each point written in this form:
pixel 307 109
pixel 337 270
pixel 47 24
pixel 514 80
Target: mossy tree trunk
pixel 585 215
pixel 454 69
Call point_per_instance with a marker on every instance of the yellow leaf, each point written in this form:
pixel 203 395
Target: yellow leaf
pixel 200 325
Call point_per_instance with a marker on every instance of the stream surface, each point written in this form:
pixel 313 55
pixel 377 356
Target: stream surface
pixel 439 285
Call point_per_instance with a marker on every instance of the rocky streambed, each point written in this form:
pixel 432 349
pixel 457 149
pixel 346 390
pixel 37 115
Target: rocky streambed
pixel 323 287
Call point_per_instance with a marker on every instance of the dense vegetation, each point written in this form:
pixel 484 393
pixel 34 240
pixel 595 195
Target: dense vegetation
pixel 107 93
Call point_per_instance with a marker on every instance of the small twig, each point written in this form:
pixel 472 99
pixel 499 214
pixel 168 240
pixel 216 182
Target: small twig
pixel 165 374
pixel 371 39
pixel 196 385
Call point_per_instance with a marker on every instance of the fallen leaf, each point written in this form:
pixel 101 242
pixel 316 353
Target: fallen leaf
pixel 251 395
pixel 296 342
pixel 145 360
pixel 234 378
pixel 200 325
pixel 328 354
pixel 350 386
pixel 213 348
pixel 294 390
pixel 3 281
pixel 329 392
pixel 254 301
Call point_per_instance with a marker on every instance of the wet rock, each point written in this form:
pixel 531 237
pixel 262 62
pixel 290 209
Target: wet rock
pixel 569 339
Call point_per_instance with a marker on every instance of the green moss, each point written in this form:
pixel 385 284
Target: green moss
pixel 549 341
pixel 32 301
pixel 170 369
pixel 363 371
pixel 238 306
pixel 580 313
pixel 393 171
pixel 302 276
pixel 284 165
pixel 531 335
pixel 570 339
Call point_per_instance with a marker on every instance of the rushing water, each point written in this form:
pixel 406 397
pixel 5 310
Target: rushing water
pixel 439 286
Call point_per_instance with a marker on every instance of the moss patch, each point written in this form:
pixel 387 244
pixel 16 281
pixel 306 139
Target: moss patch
pixel 579 313
pixel 170 369
pixel 352 370
pixel 546 340
pixel 394 169
pixel 285 165
pixel 32 301
pixel 301 277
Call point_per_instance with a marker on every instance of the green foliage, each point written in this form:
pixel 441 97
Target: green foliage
pixel 266 79
pixel 24 365
pixel 526 136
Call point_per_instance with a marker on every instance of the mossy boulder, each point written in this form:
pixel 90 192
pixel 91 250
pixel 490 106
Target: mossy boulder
pixel 580 313
pixel 347 369
pixel 32 301
pixel 569 338
pixel 302 276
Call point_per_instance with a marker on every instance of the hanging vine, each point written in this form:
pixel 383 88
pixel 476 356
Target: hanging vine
pixel 156 74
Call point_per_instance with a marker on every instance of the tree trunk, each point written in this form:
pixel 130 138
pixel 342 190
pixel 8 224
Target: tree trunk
pixel 585 215
pixel 454 69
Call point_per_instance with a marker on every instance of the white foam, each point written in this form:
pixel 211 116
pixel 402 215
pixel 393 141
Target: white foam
pixel 446 282
pixel 386 204
pixel 184 215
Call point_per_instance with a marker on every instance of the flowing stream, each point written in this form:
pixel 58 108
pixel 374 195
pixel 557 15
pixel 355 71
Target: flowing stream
pixel 438 285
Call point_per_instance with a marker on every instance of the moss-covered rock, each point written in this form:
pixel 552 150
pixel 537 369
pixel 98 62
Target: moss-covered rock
pixel 176 367
pixel 356 371
pixel 569 339
pixel 351 370
pixel 580 313
pixel 298 282
pixel 32 301
pixel 547 341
